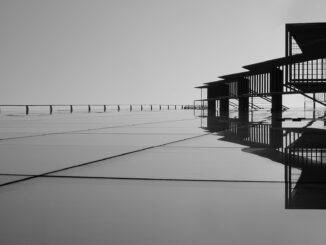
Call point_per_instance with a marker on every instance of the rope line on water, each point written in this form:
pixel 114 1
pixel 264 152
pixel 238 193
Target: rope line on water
pixel 100 160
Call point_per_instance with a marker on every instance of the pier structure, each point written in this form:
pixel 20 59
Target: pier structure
pixel 301 71
pixel 28 109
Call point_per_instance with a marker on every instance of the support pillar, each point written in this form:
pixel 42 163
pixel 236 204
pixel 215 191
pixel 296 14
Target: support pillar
pixel 224 107
pixel 224 103
pixel 213 93
pixel 276 86
pixel 211 101
pixel 243 88
pixel 276 132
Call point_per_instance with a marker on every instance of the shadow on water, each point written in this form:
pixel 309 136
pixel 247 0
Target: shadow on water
pixel 299 146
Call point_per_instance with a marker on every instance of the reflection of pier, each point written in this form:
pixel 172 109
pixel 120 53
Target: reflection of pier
pixel 298 146
pixel 302 150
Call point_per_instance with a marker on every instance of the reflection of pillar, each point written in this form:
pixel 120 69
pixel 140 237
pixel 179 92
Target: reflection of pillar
pixel 287 181
pixel 216 124
pixel 304 196
pixel 276 86
pixel 243 88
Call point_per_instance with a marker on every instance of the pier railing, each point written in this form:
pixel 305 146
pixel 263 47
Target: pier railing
pixel 71 108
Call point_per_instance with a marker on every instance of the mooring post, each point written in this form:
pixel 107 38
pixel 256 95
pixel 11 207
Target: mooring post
pixel 51 109
pixel 71 109
pixel 141 107
pixel 168 107
pixel 89 108
pixel 104 108
pixel 151 107
pixel 118 107
pixel 160 107
pixel 130 108
pixel 27 110
pixel 175 107
pixel 194 107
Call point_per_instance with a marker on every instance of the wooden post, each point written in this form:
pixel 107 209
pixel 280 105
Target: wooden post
pixel 175 107
pixel 130 107
pixel 201 98
pixel 168 107
pixel 141 107
pixel 194 107
pixel 243 105
pixel 160 107
pixel 118 107
pixel 89 108
pixel 314 106
pixel 51 109
pixel 104 108
pixel 151 107
pixel 71 109
pixel 27 110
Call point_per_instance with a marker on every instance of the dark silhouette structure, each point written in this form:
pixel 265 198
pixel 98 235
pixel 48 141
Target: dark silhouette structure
pixel 94 107
pixel 302 151
pixel 301 71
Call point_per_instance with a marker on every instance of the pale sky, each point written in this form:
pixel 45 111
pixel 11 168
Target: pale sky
pixel 136 51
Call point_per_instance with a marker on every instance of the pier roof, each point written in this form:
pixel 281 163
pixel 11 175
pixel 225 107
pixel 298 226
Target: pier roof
pixel 310 37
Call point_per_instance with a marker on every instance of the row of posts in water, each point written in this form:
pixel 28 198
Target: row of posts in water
pixel 105 107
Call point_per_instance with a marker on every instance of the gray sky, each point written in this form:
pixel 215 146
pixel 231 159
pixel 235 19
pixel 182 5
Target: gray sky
pixel 135 51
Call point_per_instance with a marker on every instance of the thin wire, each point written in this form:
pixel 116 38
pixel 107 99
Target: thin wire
pixel 143 178
pixel 90 129
pixel 100 160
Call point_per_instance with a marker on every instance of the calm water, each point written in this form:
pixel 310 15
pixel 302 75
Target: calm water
pixel 162 178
